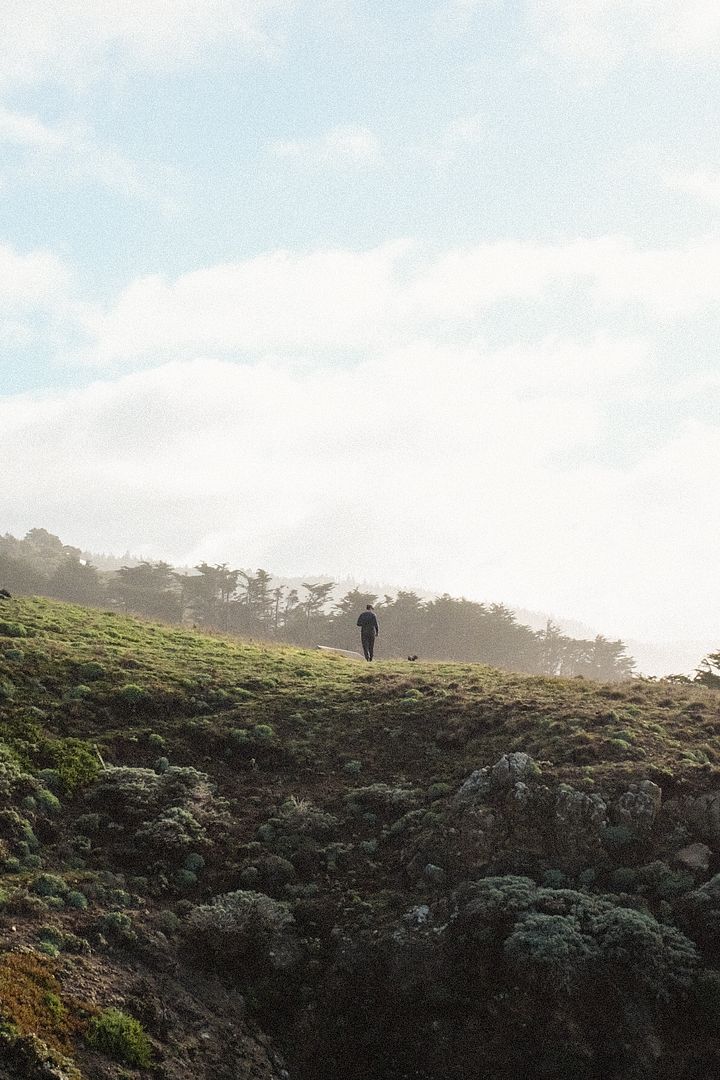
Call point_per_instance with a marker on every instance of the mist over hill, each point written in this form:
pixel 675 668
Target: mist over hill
pixel 255 604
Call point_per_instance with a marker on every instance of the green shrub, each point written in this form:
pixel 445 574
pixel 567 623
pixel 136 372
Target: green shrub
pixel 47 802
pixel 132 694
pixel 18 831
pixel 171 832
pixel 263 733
pixel 240 925
pixel 76 899
pixel 53 934
pixel 120 1037
pixel 168 922
pixel 12 629
pixel 193 862
pixel 91 671
pixel 77 693
pixel 185 879
pixel 549 949
pixel 49 885
pixel 118 925
pixel 76 764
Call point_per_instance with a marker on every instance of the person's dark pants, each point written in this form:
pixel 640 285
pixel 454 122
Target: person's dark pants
pixel 368 642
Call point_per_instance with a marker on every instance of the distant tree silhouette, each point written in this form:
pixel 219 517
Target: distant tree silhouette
pixel 708 671
pixel 77 581
pixel 150 589
pixel 247 603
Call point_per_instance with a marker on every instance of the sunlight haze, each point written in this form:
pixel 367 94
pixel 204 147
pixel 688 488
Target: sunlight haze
pixel 423 293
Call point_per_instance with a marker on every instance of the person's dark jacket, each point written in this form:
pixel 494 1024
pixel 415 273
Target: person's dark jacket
pixel 368 623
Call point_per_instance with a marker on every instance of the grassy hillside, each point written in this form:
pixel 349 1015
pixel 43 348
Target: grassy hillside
pixel 146 771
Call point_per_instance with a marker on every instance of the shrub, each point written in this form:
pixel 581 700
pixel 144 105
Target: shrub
pixel 117 925
pixel 240 925
pixel 121 1037
pixel 18 832
pixel 549 948
pixel 49 885
pixel 193 862
pixel 382 798
pixel 12 629
pixel 91 671
pixel 47 802
pixel 76 764
pixel 77 693
pixel 76 899
pixel 131 694
pixel 175 829
pixel 185 879
pixel 550 935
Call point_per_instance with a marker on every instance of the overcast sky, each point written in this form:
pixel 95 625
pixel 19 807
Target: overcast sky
pixel 423 291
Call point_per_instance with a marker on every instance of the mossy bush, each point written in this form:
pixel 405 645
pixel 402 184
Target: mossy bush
pixel 75 763
pixel 91 671
pixel 563 938
pixel 241 926
pixel 49 885
pixel 173 831
pixel 120 1037
pixel 12 629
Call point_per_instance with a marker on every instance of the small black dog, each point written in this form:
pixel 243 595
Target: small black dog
pixel 412 657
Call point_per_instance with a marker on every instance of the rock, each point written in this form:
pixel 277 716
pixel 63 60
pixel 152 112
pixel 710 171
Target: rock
pixel 417 916
pixel 434 874
pixel 510 775
pixel 475 787
pixel 512 769
pixel 639 806
pixel 577 815
pixel 694 857
pixel 712 887
pixel 704 814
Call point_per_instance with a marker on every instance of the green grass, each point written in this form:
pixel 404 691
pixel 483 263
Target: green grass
pixel 123 684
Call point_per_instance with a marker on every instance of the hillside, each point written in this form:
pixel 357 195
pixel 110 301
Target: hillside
pixel 223 859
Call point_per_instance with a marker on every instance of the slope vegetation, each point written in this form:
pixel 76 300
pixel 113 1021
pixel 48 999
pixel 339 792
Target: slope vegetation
pixel 222 859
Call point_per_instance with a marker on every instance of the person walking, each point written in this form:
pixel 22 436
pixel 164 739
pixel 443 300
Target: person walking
pixel 369 630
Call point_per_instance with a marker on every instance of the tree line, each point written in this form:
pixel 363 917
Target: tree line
pixel 253 604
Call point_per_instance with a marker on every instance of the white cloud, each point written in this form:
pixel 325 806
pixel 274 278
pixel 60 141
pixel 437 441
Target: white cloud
pixel 340 299
pixel 343 145
pixel 67 151
pixel 74 40
pixel 428 465
pixel 704 184
pixel 604 32
pixel 31 281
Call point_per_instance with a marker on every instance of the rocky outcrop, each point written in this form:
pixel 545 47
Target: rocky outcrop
pixel 638 807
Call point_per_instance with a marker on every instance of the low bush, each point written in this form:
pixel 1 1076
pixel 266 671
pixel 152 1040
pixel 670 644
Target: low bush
pixel 120 1037
pixel 241 925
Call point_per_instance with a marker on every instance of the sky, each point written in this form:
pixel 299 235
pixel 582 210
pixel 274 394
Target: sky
pixel 423 292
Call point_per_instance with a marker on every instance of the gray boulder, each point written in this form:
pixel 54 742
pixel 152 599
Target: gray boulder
pixel 509 775
pixel 638 806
